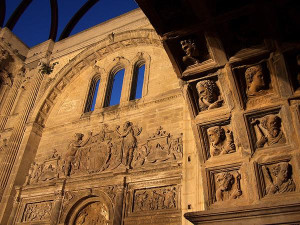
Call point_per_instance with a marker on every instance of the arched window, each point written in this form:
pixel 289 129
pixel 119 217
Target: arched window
pixel 137 81
pixel 92 96
pixel 114 89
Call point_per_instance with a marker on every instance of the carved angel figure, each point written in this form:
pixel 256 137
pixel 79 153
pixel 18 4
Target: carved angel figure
pixel 226 189
pixel 209 95
pixel 272 133
pixel 280 179
pixel 221 142
pixel 129 143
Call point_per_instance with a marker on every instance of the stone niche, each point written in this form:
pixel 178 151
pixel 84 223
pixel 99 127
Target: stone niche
pixel 275 178
pixel 266 130
pixel 254 79
pixel 224 185
pixel 205 94
pixel 217 139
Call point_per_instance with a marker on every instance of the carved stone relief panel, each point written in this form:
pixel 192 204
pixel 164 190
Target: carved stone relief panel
pixel 209 95
pixel 266 129
pixel 255 83
pixel 275 178
pixel 159 147
pixel 218 139
pixel 50 169
pixel 40 211
pixel 160 198
pixel 93 214
pixel 110 149
pixel 224 184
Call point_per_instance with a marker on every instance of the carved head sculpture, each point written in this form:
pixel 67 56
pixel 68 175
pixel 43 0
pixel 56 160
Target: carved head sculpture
pixel 189 47
pixel 208 91
pixel 272 124
pixel 216 134
pixel 126 125
pixel 281 171
pixel 4 55
pixel 255 79
pixel 225 180
pixel 78 136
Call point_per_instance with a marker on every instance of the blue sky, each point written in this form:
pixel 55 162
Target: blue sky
pixel 34 25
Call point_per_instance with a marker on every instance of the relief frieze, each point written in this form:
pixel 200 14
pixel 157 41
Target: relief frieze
pixel 37 211
pixel 110 149
pixel 155 199
pixel 275 178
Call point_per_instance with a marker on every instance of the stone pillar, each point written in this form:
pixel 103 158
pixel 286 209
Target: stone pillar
pixel 9 156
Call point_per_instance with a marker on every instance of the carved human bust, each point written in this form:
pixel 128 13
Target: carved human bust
pixel 221 142
pixel 225 189
pixel 191 51
pixel 255 80
pixel 272 133
pixel 209 95
pixel 4 55
pixel 280 179
pixel 93 214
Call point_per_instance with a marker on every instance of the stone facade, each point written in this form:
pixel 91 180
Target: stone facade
pixel 215 135
pixel 63 164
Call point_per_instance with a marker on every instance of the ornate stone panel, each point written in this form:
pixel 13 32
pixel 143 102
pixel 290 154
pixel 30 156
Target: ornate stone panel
pixel 155 199
pixel 218 139
pixel 224 184
pixel 255 82
pixel 275 177
pixel 38 211
pixel 266 129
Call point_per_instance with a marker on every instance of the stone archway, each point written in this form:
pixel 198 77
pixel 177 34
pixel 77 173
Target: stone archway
pixel 96 210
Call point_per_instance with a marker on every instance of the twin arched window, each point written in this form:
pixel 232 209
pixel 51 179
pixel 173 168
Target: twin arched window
pixel 114 87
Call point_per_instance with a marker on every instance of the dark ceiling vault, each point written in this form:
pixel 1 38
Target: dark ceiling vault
pixel 18 12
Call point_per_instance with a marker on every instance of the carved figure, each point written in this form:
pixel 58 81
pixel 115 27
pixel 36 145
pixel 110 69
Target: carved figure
pixel 280 179
pixel 225 189
pixel 221 141
pixel 255 80
pixel 73 148
pixel 4 55
pixel 272 133
pixel 155 199
pixel 209 95
pixel 129 142
pixel 93 214
pixel 37 211
pixel 191 51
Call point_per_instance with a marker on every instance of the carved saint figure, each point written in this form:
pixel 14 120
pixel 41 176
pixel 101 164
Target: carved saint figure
pixel 272 134
pixel 280 179
pixel 191 51
pixel 226 190
pixel 221 142
pixel 255 80
pixel 209 95
pixel 129 142
pixel 73 148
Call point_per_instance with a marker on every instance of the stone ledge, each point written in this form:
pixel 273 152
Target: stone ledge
pixel 258 215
